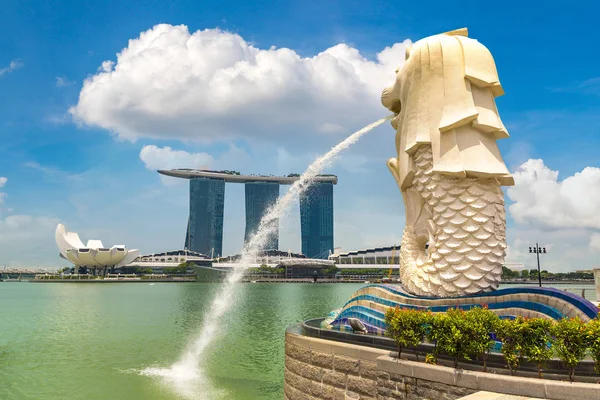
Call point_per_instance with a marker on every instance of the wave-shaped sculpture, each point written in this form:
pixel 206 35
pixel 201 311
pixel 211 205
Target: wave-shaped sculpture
pixel 93 254
pixel 370 303
pixel 448 167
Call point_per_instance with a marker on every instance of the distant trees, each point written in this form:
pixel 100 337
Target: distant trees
pixel 508 273
pixel 264 269
pixel 331 271
pixel 181 269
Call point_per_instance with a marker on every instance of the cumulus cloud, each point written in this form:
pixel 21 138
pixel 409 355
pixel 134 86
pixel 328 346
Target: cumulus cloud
pixel 595 243
pixel 15 64
pixel 155 158
pixel 63 81
pixel 25 239
pixel 212 85
pixel 541 199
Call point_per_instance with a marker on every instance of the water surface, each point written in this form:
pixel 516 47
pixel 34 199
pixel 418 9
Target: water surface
pixel 88 341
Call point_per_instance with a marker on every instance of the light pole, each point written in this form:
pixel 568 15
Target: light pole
pixel 538 250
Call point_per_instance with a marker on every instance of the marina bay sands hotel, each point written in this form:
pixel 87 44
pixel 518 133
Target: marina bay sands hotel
pixel 207 198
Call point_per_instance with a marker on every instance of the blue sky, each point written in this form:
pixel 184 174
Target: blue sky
pixel 73 153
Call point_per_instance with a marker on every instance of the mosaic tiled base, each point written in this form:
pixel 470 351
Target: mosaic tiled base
pixel 370 303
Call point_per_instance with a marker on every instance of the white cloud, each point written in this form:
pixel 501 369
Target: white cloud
pixel 155 158
pixel 567 249
pixel 28 241
pixel 63 81
pixel 213 85
pixel 329 127
pixel 542 200
pixel 52 173
pixel 3 181
pixel 15 64
pixel 595 243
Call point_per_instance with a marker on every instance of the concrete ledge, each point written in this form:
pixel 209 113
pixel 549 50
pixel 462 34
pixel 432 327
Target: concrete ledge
pixel 319 368
pixel 482 381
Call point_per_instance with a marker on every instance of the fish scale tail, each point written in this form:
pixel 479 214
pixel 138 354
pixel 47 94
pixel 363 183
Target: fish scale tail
pixel 469 244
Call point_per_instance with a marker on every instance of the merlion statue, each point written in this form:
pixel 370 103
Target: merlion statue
pixel 449 168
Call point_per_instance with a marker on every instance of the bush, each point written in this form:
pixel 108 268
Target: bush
pixel 406 326
pixel 511 334
pixel 538 338
pixel 570 342
pixel 469 335
pixel 481 323
pixel 593 341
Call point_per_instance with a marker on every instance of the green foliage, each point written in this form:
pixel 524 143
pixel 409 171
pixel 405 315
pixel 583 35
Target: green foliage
pixel 593 341
pixel 406 326
pixel 537 335
pixel 450 333
pixel 508 273
pixel 511 334
pixel 364 271
pixel 468 335
pixel 181 269
pixel 330 271
pixel 264 269
pixel 525 274
pixel 430 359
pixel 480 323
pixel 570 342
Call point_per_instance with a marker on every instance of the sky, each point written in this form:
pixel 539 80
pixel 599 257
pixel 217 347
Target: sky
pixel 97 95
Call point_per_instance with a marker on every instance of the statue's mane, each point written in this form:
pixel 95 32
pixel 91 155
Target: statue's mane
pixel 447 89
pixel 458 32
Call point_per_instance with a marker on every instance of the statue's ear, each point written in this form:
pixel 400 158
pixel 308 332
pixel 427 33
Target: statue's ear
pixel 407 52
pixel 458 32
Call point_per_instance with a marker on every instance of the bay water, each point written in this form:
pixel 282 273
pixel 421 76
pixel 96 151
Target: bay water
pixel 89 341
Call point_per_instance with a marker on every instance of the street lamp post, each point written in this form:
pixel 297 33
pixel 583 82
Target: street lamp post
pixel 538 250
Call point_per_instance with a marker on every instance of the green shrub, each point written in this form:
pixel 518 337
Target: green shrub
pixel 480 324
pixel 511 334
pixel 450 334
pixel 406 326
pixel 537 344
pixel 570 340
pixel 467 335
pixel 593 341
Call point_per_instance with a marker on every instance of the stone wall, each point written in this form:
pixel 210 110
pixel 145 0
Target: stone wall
pixel 321 369
pixel 325 369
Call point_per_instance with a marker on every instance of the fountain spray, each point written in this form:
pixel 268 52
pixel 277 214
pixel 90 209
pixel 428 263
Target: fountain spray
pixel 186 376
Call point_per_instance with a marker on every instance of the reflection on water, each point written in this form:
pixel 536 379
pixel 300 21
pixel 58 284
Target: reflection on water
pixel 78 341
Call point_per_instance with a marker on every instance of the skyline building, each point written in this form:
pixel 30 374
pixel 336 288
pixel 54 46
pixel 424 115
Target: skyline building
pixel 316 220
pixel 205 221
pixel 207 202
pixel 259 197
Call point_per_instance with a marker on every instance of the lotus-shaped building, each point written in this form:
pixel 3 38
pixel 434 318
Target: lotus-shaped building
pixel 93 255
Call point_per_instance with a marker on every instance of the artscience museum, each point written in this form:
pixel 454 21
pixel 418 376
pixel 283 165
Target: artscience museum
pixel 93 255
